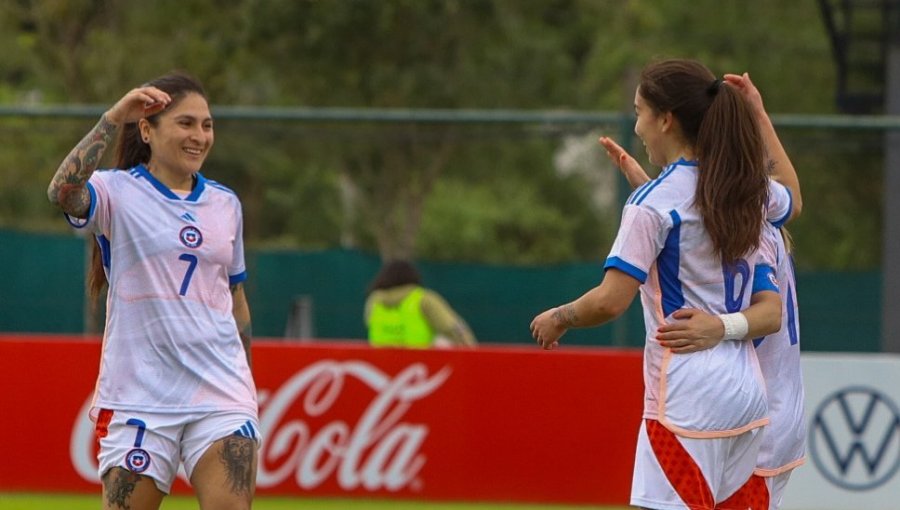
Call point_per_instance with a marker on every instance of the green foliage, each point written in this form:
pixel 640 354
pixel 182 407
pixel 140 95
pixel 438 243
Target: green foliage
pixel 509 225
pixel 842 179
pixel 444 192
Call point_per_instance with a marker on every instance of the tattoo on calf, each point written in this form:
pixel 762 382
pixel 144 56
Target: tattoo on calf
pixel 237 457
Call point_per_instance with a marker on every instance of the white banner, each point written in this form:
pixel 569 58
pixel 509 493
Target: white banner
pixel 853 434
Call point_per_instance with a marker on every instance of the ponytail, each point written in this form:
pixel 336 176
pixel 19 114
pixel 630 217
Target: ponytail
pixel 732 184
pixel 717 122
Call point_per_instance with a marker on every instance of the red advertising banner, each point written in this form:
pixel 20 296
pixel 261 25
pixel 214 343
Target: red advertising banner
pixel 343 419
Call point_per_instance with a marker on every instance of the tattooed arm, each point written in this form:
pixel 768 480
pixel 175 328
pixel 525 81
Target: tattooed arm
pixel 241 311
pixel 597 306
pixel 67 188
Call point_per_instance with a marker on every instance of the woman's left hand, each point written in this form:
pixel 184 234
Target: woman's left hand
pixel 547 330
pixel 692 331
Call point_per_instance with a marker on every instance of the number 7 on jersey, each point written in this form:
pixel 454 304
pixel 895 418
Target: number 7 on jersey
pixel 192 264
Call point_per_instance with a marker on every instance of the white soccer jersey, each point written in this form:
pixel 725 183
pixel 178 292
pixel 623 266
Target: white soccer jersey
pixel 783 444
pixel 662 243
pixel 170 341
pixel 779 204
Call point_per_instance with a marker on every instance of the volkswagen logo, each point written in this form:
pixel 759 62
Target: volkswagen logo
pixel 854 438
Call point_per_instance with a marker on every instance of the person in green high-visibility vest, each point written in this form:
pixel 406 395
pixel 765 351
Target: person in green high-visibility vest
pixel 400 312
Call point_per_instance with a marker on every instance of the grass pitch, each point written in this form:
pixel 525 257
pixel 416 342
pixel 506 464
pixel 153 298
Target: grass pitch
pixel 34 501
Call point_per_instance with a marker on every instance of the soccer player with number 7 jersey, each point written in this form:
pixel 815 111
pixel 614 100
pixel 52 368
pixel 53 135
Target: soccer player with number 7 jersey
pixel 175 385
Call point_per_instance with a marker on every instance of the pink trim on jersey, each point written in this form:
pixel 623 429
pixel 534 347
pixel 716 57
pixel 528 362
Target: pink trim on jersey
pixel 768 473
pixel 711 394
pixel 652 358
pixel 697 434
pixel 663 386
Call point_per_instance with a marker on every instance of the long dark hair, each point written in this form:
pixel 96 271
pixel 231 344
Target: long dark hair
pixel 131 151
pixel 395 273
pixel 718 123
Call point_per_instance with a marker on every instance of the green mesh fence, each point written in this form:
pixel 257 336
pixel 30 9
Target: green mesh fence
pixel 42 290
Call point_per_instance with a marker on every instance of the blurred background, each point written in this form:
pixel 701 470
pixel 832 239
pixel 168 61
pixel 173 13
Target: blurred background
pixel 461 134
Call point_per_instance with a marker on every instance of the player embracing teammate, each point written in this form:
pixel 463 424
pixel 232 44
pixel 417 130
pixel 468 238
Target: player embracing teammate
pixel 712 437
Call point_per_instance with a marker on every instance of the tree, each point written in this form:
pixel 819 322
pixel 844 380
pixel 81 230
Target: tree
pixel 393 188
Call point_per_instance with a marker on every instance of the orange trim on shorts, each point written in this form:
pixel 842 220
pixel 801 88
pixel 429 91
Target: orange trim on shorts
pixel 768 473
pixel 753 495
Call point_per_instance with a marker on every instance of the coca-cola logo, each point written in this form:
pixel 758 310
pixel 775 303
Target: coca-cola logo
pixel 306 444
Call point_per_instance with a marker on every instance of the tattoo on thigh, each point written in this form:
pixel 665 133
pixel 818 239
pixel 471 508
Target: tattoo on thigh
pixel 237 457
pixel 119 484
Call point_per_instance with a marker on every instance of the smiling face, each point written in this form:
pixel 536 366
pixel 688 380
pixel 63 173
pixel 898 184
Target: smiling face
pixel 649 127
pixel 181 138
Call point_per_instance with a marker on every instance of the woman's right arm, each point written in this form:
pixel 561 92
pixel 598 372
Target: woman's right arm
pixel 67 188
pixel 780 166
pixel 599 305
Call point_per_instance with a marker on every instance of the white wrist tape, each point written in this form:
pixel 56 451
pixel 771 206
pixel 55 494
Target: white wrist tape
pixel 736 326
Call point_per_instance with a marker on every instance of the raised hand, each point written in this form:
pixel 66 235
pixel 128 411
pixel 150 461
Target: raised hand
pixel 137 104
pixel 742 83
pixel 629 166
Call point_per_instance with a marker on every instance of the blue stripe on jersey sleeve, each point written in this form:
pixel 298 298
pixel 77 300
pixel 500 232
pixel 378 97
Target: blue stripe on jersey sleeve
pixel 237 278
pixel 625 267
pixel 82 222
pixel 668 264
pixel 764 279
pixel 780 222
